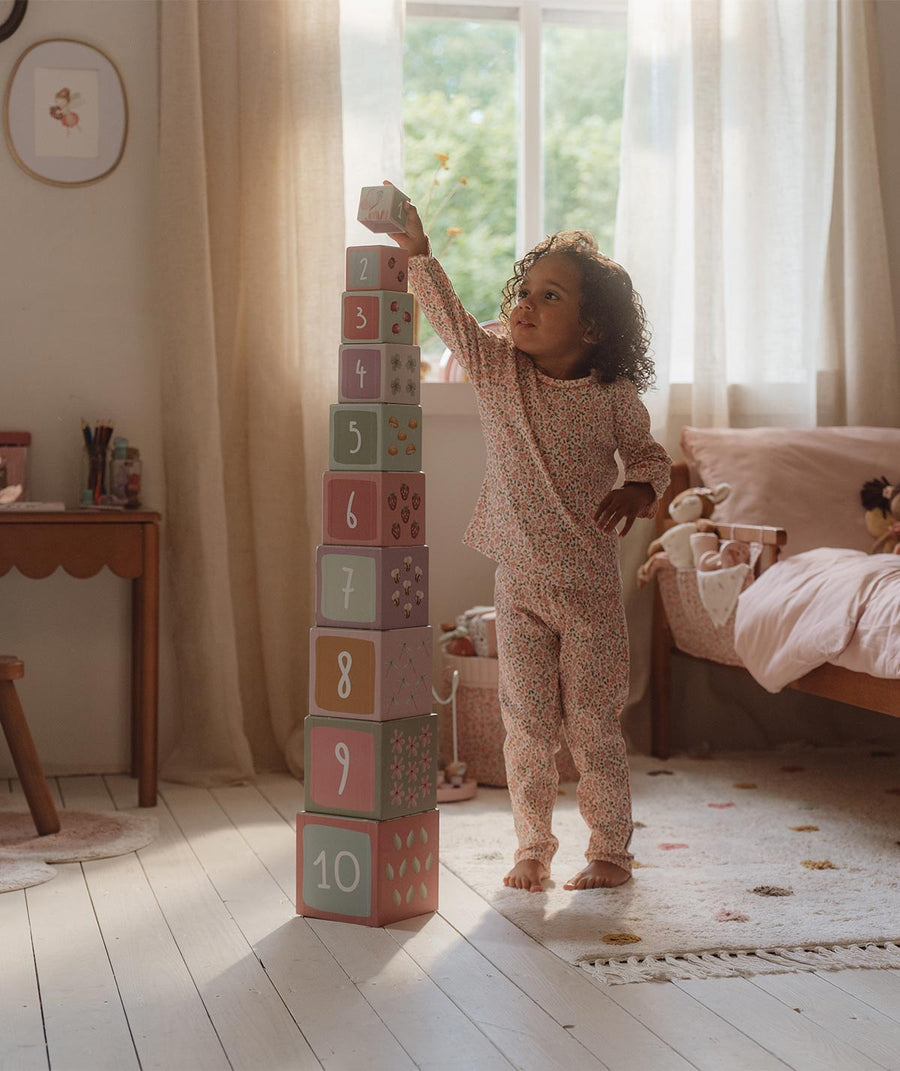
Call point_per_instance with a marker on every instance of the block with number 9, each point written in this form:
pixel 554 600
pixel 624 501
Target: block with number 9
pixel 384 509
pixel 378 316
pixel 376 674
pixel 373 873
pixel 381 372
pixel 372 587
pixel 383 437
pixel 374 770
pixel 377 267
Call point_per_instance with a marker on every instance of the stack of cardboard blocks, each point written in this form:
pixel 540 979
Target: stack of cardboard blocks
pixel 367 842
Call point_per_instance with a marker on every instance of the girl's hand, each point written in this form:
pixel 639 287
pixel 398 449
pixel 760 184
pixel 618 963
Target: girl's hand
pixel 624 503
pixel 414 239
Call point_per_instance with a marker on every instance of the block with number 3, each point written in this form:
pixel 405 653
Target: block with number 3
pixel 379 373
pixel 380 769
pixel 373 873
pixel 378 316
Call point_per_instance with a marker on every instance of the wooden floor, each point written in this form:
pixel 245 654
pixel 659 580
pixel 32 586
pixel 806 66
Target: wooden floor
pixel 189 955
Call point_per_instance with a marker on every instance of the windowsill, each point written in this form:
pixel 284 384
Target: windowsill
pixel 448 399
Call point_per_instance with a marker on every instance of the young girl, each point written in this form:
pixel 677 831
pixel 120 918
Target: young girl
pixel 557 396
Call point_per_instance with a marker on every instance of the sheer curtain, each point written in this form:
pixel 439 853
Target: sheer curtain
pixel 750 218
pixel 750 212
pixel 250 269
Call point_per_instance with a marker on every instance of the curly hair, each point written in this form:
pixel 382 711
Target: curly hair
pixel 610 306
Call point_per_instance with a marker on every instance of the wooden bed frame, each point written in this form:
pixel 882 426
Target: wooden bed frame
pixel 831 682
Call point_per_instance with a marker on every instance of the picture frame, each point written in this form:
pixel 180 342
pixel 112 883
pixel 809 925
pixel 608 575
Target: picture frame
pixel 65 113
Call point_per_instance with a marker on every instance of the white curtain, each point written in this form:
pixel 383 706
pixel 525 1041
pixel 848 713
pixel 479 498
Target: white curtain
pixel 250 267
pixel 750 212
pixel 750 218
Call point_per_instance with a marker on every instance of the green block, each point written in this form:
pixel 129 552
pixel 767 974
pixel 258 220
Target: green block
pixel 375 436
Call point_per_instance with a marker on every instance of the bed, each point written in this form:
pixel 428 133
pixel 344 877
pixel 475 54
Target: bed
pixel 812 610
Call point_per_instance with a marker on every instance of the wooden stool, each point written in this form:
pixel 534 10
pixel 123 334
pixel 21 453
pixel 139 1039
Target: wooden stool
pixel 21 746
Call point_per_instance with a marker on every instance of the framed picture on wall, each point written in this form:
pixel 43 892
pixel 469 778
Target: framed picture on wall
pixel 65 113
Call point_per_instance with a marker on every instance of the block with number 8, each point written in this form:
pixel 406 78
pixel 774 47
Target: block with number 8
pixel 372 587
pixel 377 674
pixel 382 437
pixel 379 373
pixel 373 769
pixel 378 316
pixel 373 873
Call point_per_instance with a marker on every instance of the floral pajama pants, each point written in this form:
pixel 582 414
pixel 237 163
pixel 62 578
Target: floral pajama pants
pixel 563 665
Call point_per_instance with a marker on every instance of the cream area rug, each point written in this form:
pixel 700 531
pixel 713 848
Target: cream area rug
pixel 83 835
pixel 772 862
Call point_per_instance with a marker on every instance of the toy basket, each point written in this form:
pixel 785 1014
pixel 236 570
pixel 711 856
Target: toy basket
pixel 693 630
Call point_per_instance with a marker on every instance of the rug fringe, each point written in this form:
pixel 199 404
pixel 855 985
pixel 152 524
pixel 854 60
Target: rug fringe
pixel 736 964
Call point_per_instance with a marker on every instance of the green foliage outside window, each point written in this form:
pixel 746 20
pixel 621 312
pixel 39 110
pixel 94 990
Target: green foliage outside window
pixel 460 102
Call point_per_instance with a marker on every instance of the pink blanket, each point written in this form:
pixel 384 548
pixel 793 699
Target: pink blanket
pixel 824 605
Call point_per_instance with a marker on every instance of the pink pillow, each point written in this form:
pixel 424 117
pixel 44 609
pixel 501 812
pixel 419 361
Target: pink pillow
pixel 806 480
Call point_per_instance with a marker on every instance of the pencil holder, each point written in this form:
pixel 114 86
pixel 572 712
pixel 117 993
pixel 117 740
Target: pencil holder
pixel 93 475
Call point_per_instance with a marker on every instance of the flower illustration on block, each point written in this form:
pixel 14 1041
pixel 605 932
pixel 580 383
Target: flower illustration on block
pixel 412 798
pixel 425 786
pixel 412 768
pixel 397 795
pixel 425 736
pixel 397 741
pixel 412 745
pixel 396 769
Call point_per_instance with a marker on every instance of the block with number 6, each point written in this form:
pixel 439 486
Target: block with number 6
pixel 379 373
pixel 373 873
pixel 372 587
pixel 377 674
pixel 383 437
pixel 377 769
pixel 375 509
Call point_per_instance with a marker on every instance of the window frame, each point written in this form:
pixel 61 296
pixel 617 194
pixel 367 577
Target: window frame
pixel 530 16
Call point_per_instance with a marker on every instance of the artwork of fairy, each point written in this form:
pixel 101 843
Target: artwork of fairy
pixel 65 100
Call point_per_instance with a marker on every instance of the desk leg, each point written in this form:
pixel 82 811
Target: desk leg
pixel 145 670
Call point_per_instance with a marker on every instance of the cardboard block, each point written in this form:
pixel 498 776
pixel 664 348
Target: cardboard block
pixel 372 587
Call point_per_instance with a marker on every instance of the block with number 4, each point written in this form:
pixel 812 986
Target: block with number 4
pixel 377 267
pixel 378 316
pixel 379 674
pixel 376 509
pixel 372 587
pixel 379 769
pixel 383 437
pixel 379 373
pixel 373 873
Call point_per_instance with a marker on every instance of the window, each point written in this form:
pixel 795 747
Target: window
pixel 512 117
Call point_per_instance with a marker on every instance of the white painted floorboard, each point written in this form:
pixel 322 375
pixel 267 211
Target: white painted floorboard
pixel 189 955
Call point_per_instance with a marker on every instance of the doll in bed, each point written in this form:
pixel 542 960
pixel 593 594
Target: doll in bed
pixel 881 501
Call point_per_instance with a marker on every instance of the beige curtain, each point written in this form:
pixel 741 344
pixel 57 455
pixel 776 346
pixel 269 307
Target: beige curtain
pixel 250 253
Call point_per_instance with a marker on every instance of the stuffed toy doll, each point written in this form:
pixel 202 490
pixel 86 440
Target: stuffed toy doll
pixel 881 501
pixel 691 510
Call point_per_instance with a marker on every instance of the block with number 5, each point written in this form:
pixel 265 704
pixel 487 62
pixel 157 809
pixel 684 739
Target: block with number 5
pixel 380 770
pixel 377 674
pixel 379 373
pixel 359 870
pixel 372 587
pixel 378 316
pixel 377 267
pixel 375 436
pixel 375 509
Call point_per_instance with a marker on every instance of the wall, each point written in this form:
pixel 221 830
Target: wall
pixel 78 341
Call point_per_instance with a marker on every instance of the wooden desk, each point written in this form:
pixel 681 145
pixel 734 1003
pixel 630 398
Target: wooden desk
pixel 82 542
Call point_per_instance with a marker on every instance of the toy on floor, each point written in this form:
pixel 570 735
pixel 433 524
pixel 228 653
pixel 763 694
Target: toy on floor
pixel 881 501
pixel 452 785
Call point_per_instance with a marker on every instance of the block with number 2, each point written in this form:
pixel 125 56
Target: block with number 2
pixel 378 769
pixel 377 267
pixel 373 873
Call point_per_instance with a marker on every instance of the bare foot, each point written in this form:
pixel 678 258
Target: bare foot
pixel 598 875
pixel 527 874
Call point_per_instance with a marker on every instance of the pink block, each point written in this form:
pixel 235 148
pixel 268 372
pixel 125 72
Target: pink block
pixel 373 508
pixel 372 873
pixel 377 267
pixel 379 675
pixel 377 316
pixel 379 372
